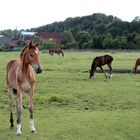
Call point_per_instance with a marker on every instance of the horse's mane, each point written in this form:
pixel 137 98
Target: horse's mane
pixel 22 51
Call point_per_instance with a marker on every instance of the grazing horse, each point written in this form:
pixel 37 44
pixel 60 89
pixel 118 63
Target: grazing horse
pixel 137 63
pixel 20 77
pixel 57 51
pixel 99 62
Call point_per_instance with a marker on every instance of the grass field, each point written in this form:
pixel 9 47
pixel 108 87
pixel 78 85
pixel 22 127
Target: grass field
pixel 69 106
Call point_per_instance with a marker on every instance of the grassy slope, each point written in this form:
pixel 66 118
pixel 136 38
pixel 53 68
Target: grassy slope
pixel 69 106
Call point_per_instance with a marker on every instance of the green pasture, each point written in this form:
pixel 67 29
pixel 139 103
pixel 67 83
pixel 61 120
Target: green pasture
pixel 69 106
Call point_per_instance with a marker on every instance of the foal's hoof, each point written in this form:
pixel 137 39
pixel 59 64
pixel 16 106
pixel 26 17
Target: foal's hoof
pixel 12 126
pixel 18 134
pixel 33 131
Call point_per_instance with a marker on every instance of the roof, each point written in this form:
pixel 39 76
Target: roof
pixel 28 33
pixel 1 35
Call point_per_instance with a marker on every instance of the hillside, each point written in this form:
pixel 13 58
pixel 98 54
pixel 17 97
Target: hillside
pixel 96 31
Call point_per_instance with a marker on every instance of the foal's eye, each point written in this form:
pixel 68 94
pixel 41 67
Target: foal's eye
pixel 31 55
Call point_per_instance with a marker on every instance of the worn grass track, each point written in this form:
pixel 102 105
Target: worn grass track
pixel 69 106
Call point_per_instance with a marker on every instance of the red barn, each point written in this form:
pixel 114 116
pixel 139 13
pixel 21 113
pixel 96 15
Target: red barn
pixel 46 36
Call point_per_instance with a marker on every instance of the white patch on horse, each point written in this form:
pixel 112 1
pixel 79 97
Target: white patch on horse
pixel 110 77
pixel 18 129
pixel 32 127
pixel 36 51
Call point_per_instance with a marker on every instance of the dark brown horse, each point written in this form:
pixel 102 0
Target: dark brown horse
pixel 20 77
pixel 99 62
pixel 57 51
pixel 137 63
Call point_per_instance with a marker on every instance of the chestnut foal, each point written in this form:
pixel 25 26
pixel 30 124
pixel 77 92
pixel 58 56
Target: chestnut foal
pixel 20 76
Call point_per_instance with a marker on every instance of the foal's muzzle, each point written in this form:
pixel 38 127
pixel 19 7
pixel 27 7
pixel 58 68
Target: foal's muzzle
pixel 37 68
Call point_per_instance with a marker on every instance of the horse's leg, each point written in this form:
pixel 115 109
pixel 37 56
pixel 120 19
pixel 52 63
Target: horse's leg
pixel 103 71
pixel 10 93
pixel 19 110
pixel 110 70
pixel 61 53
pixel 32 127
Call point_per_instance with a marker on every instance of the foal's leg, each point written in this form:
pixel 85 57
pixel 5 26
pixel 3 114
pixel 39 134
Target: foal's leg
pixel 110 68
pixel 32 127
pixel 10 93
pixel 103 71
pixel 19 110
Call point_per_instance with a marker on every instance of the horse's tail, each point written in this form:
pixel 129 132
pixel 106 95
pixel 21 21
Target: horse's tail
pixel 49 51
pixel 7 69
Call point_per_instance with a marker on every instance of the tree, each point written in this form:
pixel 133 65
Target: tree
pixel 82 37
pixel 67 37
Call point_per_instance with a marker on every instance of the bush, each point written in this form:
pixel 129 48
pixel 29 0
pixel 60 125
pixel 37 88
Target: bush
pixel 88 45
pixel 71 45
pixel 48 46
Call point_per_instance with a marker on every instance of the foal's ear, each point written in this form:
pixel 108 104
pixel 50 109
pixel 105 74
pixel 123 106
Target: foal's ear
pixel 30 44
pixel 37 44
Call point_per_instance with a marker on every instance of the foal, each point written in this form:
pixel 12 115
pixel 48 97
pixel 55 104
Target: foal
pixel 99 62
pixel 137 63
pixel 57 51
pixel 20 76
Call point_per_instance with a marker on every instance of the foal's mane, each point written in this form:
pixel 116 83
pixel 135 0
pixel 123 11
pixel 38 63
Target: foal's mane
pixel 23 50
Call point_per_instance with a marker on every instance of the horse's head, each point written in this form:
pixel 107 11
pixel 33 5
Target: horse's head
pixel 30 55
pixel 92 71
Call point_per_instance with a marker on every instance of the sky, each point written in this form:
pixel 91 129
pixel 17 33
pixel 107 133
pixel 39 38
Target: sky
pixel 26 14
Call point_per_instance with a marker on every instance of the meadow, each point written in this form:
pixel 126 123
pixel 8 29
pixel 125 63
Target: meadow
pixel 69 106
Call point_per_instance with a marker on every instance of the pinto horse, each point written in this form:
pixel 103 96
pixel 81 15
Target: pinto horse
pixel 137 63
pixel 20 77
pixel 99 62
pixel 57 51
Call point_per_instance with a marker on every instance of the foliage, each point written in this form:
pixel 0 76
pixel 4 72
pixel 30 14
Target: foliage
pixel 97 27
pixel 94 28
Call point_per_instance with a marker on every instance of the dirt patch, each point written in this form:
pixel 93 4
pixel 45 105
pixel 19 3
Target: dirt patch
pixel 118 71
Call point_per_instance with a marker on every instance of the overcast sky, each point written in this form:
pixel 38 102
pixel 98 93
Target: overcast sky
pixel 26 14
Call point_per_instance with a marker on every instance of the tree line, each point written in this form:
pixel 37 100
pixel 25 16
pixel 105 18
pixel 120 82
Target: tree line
pixel 96 31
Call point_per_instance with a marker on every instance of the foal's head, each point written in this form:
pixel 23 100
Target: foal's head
pixel 30 55
pixel 92 71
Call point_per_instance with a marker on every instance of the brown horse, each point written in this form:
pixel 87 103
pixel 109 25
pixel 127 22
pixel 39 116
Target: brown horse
pixel 137 63
pixel 57 51
pixel 99 62
pixel 20 77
